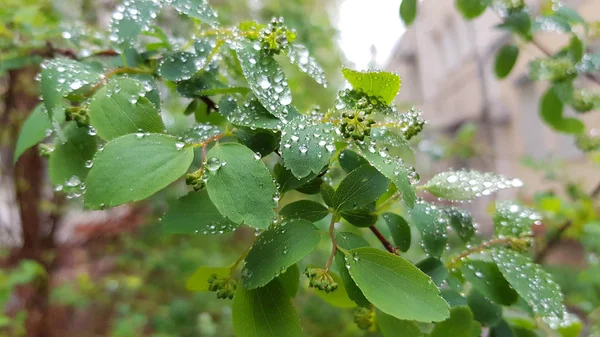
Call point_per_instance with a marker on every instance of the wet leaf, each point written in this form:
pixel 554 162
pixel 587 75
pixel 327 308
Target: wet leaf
pixel 434 268
pixel 70 161
pixel 197 9
pixel 514 220
pixel 462 223
pixel 132 168
pixel 399 229
pixel 551 111
pixel 266 78
pixel 34 130
pixel 432 225
pixel 121 108
pixel 531 282
pixel 307 144
pixel 240 185
pixel 264 312
pixel 487 279
pixel 304 209
pixel 349 241
pixel 459 324
pixel 300 56
pixel 195 213
pixel 484 311
pixel 466 185
pixel 395 286
pixel 278 248
pixel 361 217
pixel 131 18
pixel 359 188
pixel 374 83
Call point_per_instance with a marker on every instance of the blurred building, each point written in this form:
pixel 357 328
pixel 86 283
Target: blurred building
pixel 446 64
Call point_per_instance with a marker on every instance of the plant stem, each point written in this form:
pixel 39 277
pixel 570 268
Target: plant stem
pixel 483 246
pixel 552 241
pixel 390 248
pixel 333 242
pixel 125 70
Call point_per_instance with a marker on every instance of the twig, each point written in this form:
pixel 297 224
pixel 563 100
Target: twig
pixel 544 50
pixel 108 75
pixel 553 241
pixel 390 248
pixel 210 104
pixel 333 242
pixel 596 192
pixel 485 245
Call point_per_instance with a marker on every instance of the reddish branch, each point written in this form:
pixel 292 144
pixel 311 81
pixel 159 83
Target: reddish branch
pixel 390 248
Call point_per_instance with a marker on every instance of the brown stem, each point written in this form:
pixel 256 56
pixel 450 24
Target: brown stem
pixel 485 245
pixel 596 192
pixel 390 248
pixel 333 242
pixel 552 241
pixel 112 73
pixel 210 104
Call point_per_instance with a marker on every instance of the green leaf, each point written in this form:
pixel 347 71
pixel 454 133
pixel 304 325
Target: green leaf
pixel 462 223
pixel 264 312
pixel 551 111
pixel 349 241
pixel 278 248
pixel 501 329
pixel 514 220
pixel 120 108
pixel 570 15
pixel 453 297
pixel 484 311
pixel 71 160
pixel 375 83
pixel 59 77
pixel 307 144
pixel 487 279
pixel 132 168
pixel 408 11
pixel 299 55
pixel 199 280
pixel 399 229
pixel 338 298
pixel 251 114
pixel 131 18
pixel 396 286
pixel 470 9
pixel 287 181
pixel 260 141
pixel 432 224
pixel 312 187
pixel 304 209
pixel 195 213
pixel 390 326
pixel 506 60
pixel 359 188
pixel 576 48
pixel 434 268
pixel 350 160
pixel 197 9
pixel 240 186
pixel 466 185
pixel 180 66
pixel 361 217
pixel 459 324
pixel 518 22
pixel 290 280
pixel 531 282
pixel 551 24
pixel 266 78
pixel 393 168
pixel 34 130
pixel 328 194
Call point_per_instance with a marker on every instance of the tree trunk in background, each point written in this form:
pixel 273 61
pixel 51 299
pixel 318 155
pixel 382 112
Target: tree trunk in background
pixel 28 176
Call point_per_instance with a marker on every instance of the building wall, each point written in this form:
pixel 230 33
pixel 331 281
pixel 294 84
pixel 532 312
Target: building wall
pixel 446 65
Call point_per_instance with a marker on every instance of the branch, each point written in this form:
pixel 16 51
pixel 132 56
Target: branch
pixel 553 241
pixel 485 245
pixel 333 242
pixel 544 50
pixel 210 104
pixel 390 248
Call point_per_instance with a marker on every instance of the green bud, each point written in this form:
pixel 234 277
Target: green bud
pixel 320 279
pixel 364 317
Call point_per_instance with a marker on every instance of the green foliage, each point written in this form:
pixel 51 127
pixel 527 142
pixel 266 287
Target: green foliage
pixel 505 60
pixel 256 152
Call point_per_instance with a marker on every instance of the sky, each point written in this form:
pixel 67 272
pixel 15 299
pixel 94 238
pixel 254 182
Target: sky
pixel 363 23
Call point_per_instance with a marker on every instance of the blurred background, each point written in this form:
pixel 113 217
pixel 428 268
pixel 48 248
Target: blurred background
pixel 69 272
